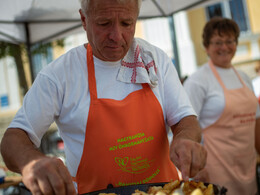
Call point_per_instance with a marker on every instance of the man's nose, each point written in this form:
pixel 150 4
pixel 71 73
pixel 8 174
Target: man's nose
pixel 115 33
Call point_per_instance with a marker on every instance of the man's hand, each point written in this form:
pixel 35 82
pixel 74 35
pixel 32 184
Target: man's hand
pixel 41 174
pixel 188 156
pixel 203 176
pixel 186 152
pixel 47 175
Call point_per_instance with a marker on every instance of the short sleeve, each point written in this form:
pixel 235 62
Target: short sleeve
pixel 177 102
pixel 40 106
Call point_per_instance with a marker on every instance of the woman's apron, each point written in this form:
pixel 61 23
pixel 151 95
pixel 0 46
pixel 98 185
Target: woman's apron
pixel 230 141
pixel 125 140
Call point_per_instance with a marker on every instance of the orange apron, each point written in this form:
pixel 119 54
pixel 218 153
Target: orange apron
pixel 230 142
pixel 125 140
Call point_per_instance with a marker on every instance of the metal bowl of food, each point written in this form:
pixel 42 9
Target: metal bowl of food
pixel 145 188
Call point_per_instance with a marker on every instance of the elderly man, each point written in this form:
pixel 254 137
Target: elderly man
pixel 113 100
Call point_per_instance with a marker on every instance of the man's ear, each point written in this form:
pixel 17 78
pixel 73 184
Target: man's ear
pixel 83 19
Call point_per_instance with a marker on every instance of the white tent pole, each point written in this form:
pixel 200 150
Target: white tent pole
pixel 174 44
pixel 28 45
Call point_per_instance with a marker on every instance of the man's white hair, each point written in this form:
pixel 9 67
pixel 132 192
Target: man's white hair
pixel 85 5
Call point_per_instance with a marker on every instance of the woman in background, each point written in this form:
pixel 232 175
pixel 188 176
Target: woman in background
pixel 227 110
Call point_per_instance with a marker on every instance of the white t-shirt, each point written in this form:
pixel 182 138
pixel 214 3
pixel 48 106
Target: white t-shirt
pixel 206 94
pixel 60 93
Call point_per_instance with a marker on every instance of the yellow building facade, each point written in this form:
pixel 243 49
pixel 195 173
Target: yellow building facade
pixel 248 50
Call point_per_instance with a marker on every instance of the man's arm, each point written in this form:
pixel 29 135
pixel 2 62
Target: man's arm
pixel 17 149
pixel 257 135
pixel 187 153
pixel 41 174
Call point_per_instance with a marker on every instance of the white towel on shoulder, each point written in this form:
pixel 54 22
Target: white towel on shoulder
pixel 138 66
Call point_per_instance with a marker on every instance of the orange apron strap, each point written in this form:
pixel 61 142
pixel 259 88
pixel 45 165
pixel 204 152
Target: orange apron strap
pixel 74 179
pixel 91 73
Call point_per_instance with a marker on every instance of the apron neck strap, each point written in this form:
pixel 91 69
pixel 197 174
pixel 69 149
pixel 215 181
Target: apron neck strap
pixel 215 72
pixel 91 73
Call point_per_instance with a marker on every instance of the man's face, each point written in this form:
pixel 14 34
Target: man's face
pixel 110 27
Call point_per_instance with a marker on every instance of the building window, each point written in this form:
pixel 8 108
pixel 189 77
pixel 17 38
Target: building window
pixel 238 14
pixel 235 9
pixel 4 101
pixel 42 55
pixel 214 10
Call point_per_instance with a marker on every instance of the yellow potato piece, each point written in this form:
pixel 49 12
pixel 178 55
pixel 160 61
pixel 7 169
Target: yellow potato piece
pixel 172 185
pixel 197 192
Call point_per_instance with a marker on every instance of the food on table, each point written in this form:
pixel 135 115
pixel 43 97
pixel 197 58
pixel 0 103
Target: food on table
pixel 176 188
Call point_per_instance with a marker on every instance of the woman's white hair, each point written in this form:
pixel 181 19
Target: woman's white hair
pixel 85 5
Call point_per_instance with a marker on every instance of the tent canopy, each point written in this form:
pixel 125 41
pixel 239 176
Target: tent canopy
pixel 33 21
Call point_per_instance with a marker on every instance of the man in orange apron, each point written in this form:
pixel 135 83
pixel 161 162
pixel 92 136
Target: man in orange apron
pixel 123 142
pixel 123 156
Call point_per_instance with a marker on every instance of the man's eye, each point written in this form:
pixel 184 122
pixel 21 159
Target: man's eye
pixel 103 23
pixel 126 23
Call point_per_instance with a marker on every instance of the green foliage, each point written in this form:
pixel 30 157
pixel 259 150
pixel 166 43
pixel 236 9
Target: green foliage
pixel 42 48
pixel 9 49
pixel 17 50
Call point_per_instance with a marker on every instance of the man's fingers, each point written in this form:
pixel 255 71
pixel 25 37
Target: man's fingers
pixel 194 170
pixel 66 177
pixel 202 176
pixel 34 188
pixel 181 157
pixel 48 176
pixel 175 159
pixel 189 157
pixel 198 160
pixel 62 181
pixel 45 186
pixel 32 184
pixel 185 161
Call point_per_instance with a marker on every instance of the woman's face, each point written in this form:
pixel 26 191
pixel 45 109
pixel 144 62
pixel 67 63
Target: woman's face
pixel 222 49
